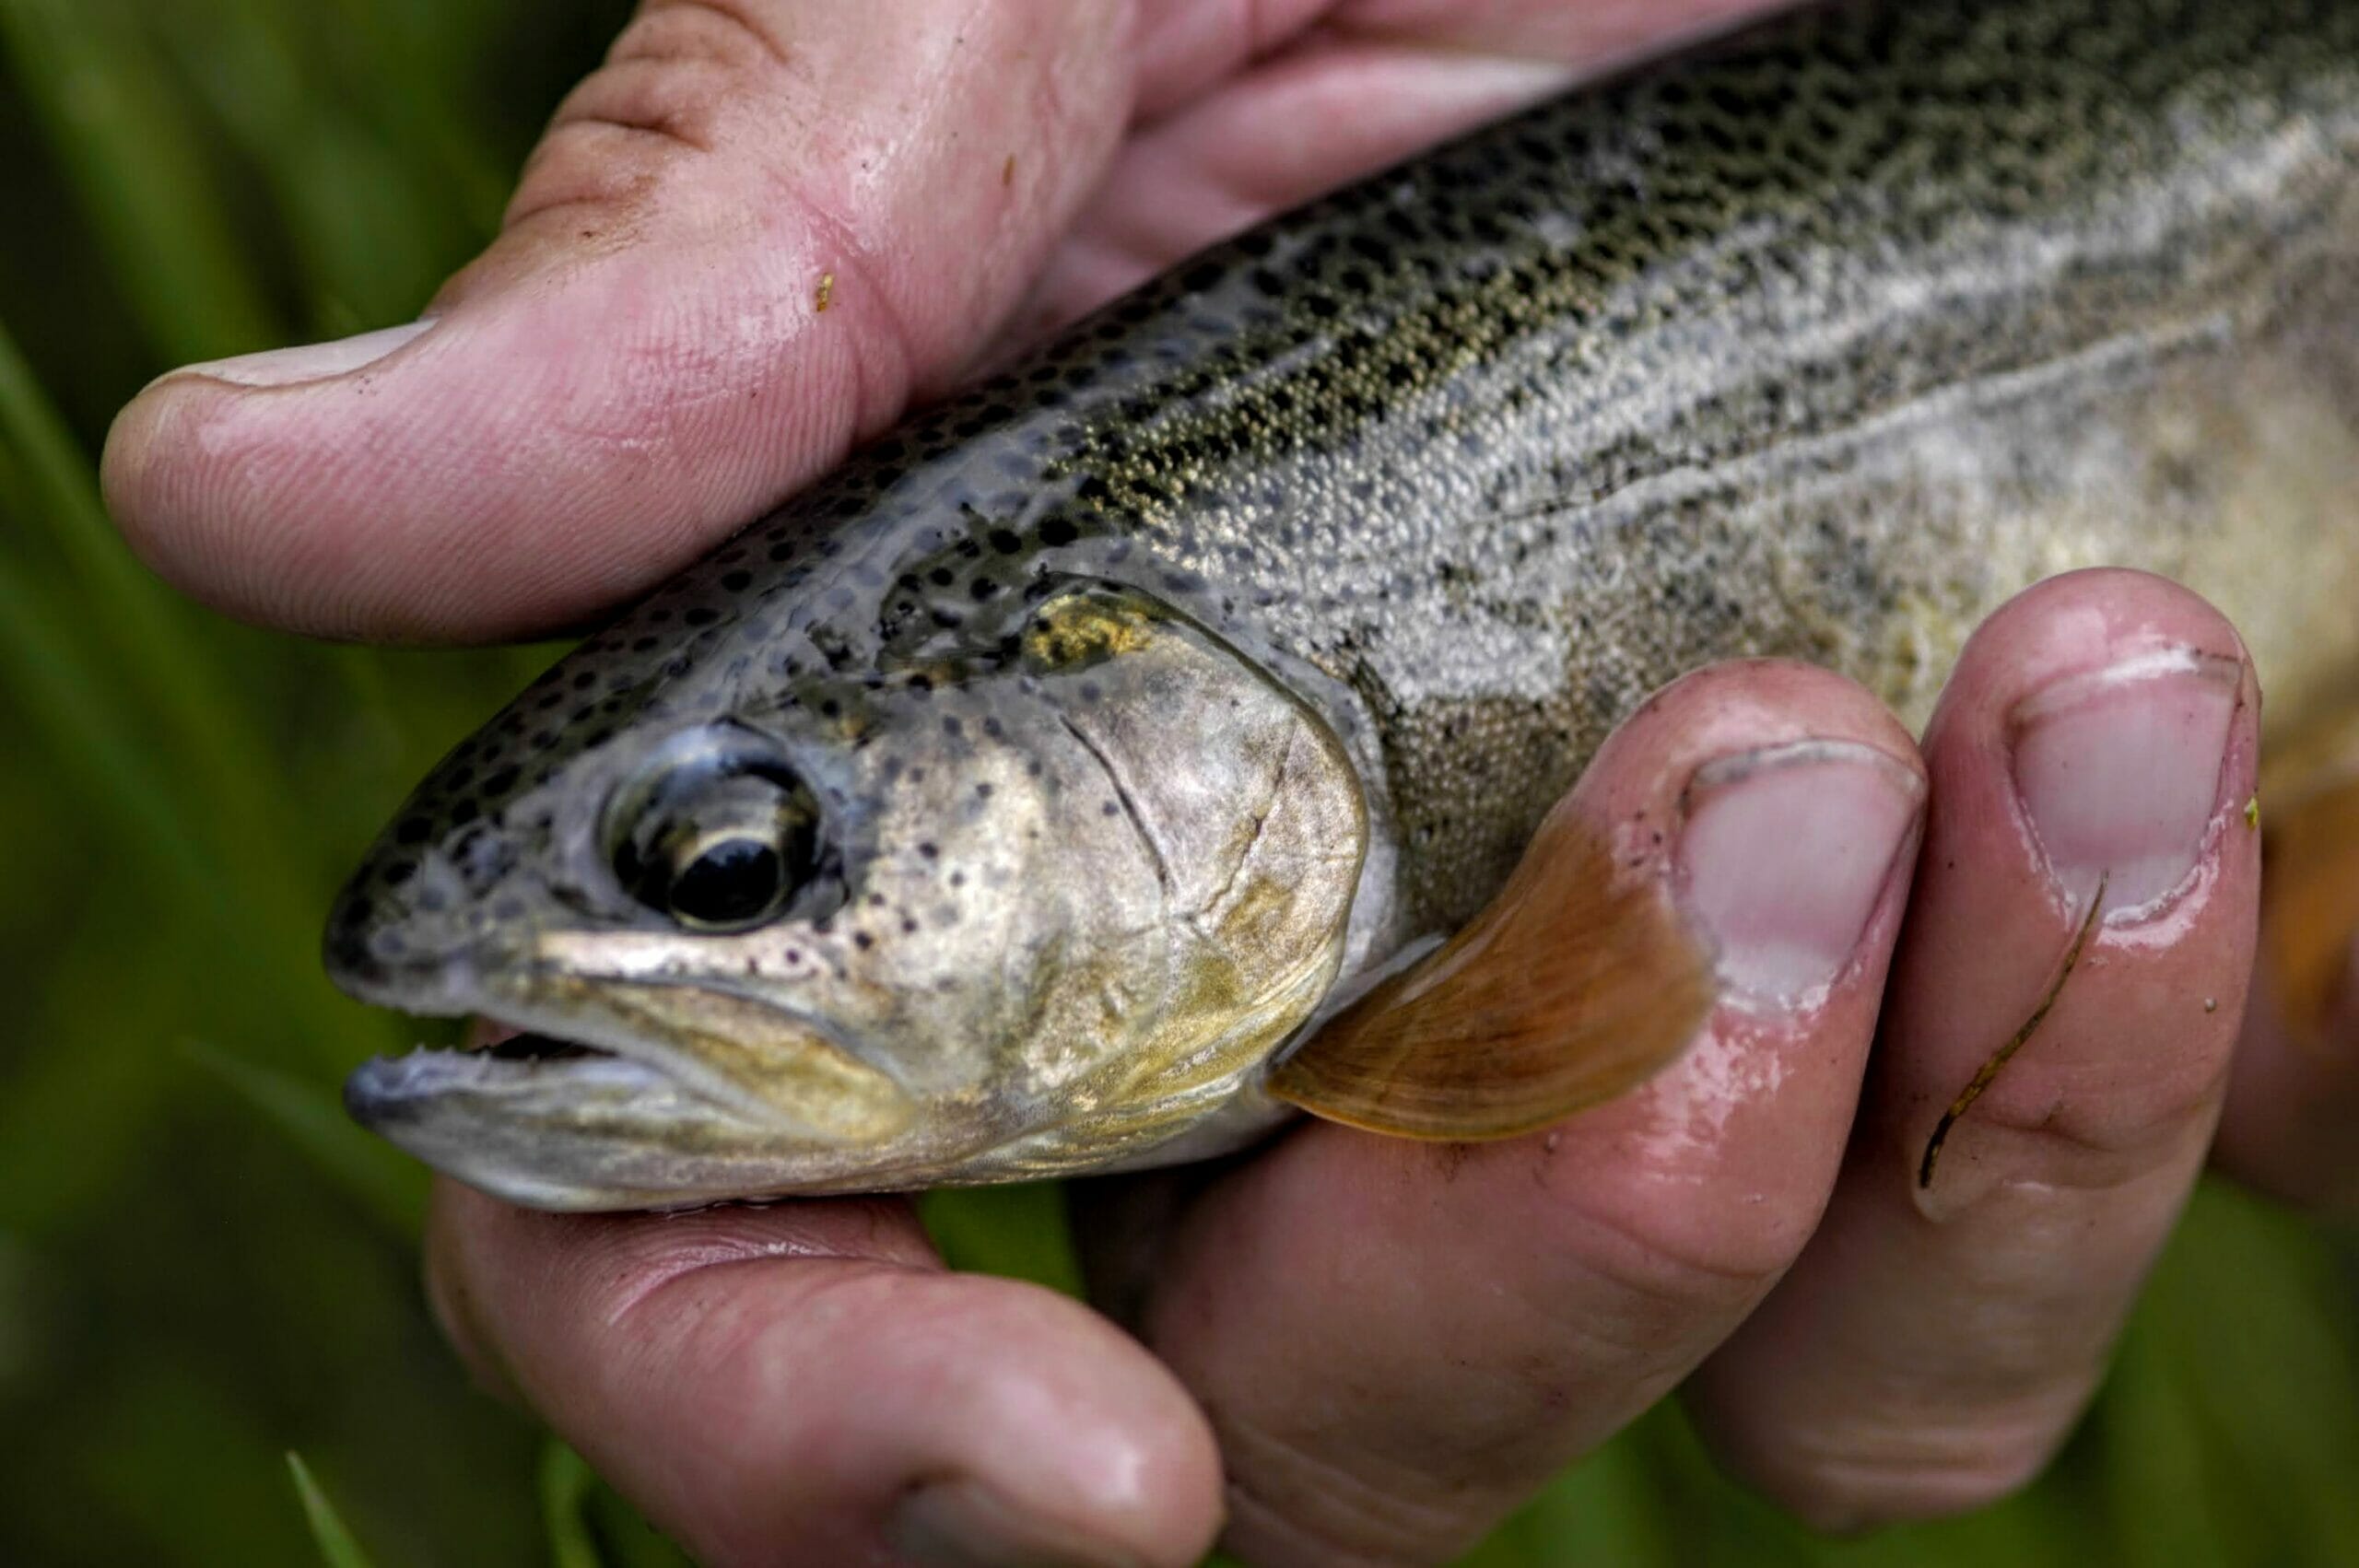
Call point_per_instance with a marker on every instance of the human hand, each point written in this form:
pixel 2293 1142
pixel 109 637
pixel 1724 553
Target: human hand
pixel 1380 1346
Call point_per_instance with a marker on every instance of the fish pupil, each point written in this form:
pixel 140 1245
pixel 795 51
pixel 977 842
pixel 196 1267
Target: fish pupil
pixel 729 883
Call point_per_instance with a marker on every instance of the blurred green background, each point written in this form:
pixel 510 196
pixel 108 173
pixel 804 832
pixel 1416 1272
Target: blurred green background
pixel 202 1267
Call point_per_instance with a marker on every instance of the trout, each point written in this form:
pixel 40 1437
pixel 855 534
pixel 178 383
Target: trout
pixel 1020 798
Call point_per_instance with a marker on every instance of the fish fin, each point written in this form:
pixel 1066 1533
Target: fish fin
pixel 2310 874
pixel 1578 983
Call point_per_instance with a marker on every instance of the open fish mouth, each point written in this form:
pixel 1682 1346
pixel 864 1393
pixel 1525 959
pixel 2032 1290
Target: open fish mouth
pixel 623 1121
pixel 526 1045
pixel 548 1121
pixel 495 1060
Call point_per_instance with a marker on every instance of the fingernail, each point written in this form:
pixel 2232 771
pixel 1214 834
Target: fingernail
pixel 1783 855
pixel 308 361
pixel 2119 771
pixel 962 1524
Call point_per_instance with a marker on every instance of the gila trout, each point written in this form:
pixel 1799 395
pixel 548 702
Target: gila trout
pixel 1021 798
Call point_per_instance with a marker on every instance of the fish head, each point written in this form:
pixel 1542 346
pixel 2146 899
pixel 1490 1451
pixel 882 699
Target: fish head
pixel 1034 907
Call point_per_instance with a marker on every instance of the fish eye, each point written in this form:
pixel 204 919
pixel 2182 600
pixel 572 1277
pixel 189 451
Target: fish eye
pixel 718 843
pixel 731 880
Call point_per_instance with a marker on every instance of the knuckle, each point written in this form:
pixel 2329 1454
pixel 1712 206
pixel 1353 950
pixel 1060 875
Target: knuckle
pixel 682 102
pixel 1698 1259
pixel 1293 1506
pixel 678 83
pixel 1862 1479
pixel 718 32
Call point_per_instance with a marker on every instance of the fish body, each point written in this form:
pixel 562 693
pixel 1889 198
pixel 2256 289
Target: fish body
pixel 1006 802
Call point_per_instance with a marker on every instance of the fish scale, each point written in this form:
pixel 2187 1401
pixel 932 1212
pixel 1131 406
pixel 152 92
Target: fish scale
pixel 1818 344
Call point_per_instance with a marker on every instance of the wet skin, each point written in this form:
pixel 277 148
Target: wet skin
pixel 802 1382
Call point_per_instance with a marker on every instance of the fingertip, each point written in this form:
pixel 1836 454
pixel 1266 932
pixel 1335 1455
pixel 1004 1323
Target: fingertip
pixel 1077 1445
pixel 1741 705
pixel 131 471
pixel 2051 1054
pixel 1789 796
pixel 2076 623
pixel 802 1382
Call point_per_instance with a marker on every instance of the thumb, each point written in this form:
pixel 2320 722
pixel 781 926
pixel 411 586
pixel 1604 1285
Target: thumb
pixel 747 241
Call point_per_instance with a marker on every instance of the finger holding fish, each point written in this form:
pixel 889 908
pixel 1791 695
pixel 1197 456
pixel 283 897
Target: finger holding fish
pixel 1397 1340
pixel 1946 1328
pixel 868 854
pixel 749 241
pixel 804 1383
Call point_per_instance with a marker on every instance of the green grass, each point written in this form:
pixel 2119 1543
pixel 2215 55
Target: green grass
pixel 202 1267
pixel 338 1547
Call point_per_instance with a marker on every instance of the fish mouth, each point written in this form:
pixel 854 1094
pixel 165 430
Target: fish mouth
pixel 654 1097
pixel 549 1124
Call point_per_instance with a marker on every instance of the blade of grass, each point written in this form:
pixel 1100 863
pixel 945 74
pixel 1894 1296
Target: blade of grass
pixel 565 1486
pixel 370 238
pixel 380 1178
pixel 338 1548
pixel 2256 1327
pixel 119 124
pixel 412 85
pixel 183 685
pixel 177 733
pixel 82 1092
pixel 1017 1231
pixel 89 735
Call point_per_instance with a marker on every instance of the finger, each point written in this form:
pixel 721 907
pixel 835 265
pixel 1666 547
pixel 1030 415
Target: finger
pixel 1328 96
pixel 751 237
pixel 1397 1342
pixel 803 1384
pixel 1935 1343
pixel 2293 1102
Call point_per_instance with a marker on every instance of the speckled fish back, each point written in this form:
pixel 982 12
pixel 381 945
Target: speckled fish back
pixel 1818 345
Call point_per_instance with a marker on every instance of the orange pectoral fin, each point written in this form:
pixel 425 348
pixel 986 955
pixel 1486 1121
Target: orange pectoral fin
pixel 1578 982
pixel 2310 874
